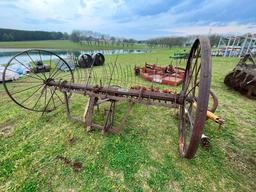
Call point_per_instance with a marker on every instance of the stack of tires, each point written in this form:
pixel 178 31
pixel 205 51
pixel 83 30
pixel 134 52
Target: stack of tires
pixel 86 60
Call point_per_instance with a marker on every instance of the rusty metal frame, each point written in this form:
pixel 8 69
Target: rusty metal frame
pixel 99 94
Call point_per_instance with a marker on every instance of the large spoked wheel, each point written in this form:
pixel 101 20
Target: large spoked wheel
pixel 195 91
pixel 33 69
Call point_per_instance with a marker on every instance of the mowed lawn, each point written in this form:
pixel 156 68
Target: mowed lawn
pixel 143 157
pixel 69 45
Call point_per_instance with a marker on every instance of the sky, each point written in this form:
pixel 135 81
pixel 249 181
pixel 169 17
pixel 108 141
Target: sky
pixel 139 19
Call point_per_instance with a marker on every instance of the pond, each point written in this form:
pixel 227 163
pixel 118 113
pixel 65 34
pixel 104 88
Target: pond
pixel 6 54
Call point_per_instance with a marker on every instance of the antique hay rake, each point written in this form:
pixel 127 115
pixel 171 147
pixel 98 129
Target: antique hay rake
pixel 48 73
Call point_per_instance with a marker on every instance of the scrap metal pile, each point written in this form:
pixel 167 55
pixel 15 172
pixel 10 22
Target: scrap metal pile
pixel 243 76
pixel 47 86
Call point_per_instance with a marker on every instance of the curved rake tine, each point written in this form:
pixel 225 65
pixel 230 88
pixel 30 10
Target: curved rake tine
pixel 83 74
pixel 109 66
pixel 80 75
pixel 127 76
pixel 102 76
pixel 97 76
pixel 122 75
pixel 112 72
pixel 134 77
pixel 86 74
pixel 115 75
pixel 114 78
pixel 94 79
pixel 89 75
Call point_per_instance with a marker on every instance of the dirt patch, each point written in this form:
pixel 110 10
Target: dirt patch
pixel 6 127
pixel 77 166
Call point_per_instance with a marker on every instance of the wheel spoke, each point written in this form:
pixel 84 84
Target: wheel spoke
pixel 29 76
pixel 35 63
pixel 50 66
pixel 59 98
pixel 193 69
pixel 55 69
pixel 57 72
pixel 53 99
pixel 190 77
pixel 62 76
pixel 30 90
pixel 28 68
pixel 42 92
pixel 30 58
pixel 48 102
pixel 26 89
pixel 29 82
pixel 192 89
pixel 45 96
pixel 32 94
pixel 197 81
pixel 42 62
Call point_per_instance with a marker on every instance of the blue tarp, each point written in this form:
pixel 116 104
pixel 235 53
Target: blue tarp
pixel 20 69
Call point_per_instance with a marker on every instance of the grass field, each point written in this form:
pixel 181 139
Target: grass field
pixel 143 157
pixel 65 44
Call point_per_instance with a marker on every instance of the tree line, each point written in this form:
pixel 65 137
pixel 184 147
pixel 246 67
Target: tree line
pixel 22 35
pixel 92 38
pixel 99 39
pixel 180 41
pixel 95 38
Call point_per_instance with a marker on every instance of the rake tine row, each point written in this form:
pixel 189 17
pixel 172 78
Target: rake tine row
pixel 112 71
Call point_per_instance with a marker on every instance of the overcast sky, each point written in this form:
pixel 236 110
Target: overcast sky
pixel 140 19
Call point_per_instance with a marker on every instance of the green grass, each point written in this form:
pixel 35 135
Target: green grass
pixel 143 157
pixel 65 44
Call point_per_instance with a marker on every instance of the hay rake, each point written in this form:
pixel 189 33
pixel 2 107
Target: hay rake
pixel 48 75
